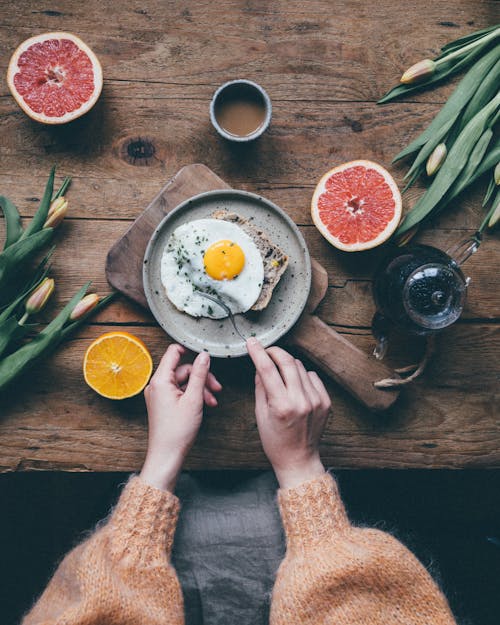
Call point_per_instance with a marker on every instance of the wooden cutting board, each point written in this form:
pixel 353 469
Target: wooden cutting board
pixel 124 261
pixel 329 350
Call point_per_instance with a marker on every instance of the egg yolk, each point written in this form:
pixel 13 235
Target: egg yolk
pixel 224 260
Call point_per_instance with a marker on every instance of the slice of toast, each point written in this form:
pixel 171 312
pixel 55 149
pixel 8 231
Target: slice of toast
pixel 274 259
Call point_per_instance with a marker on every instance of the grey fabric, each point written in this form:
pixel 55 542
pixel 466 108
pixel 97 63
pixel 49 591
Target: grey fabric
pixel 228 546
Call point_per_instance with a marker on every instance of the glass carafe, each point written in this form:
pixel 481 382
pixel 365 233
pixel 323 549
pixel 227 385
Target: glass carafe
pixel 419 289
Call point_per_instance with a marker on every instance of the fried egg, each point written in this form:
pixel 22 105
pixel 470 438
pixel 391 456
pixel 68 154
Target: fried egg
pixel 215 257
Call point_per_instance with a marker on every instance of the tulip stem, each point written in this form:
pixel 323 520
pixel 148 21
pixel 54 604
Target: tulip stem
pixel 24 319
pixel 470 46
pixel 63 188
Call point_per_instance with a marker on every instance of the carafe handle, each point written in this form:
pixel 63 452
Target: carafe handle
pixel 380 331
pixel 462 251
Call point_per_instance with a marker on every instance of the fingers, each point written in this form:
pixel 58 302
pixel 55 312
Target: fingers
pixel 260 392
pixel 321 390
pixel 314 388
pixel 198 378
pixel 265 367
pixel 168 364
pixel 287 366
pixel 183 372
pixel 213 383
pixel 208 397
pixel 212 386
pixel 309 388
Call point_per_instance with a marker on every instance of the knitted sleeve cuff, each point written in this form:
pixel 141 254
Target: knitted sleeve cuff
pixel 144 520
pixel 312 513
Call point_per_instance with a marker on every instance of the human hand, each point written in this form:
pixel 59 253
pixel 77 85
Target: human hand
pixel 174 400
pixel 291 408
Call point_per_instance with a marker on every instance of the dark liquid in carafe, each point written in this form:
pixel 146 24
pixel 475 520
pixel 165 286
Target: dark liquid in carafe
pixel 240 110
pixel 433 300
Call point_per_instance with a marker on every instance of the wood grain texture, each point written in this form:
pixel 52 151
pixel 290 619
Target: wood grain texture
pixel 324 64
pixel 449 419
pixel 106 152
pixel 337 356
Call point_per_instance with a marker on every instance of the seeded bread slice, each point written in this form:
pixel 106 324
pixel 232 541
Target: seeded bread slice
pixel 275 260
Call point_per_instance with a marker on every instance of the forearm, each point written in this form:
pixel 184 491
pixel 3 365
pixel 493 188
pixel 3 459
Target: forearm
pixel 335 573
pixel 122 573
pixel 296 473
pixel 160 472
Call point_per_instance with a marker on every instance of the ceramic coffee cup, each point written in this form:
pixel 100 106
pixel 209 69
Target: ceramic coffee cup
pixel 240 110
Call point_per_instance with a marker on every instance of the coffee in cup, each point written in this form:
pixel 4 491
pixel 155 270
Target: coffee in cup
pixel 240 110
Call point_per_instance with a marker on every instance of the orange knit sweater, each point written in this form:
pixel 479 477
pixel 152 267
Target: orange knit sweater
pixel 333 573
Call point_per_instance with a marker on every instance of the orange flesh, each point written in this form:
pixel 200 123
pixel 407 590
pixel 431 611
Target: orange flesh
pixel 117 365
pixel 357 205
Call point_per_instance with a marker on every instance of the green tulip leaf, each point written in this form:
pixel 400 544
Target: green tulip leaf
pixel 463 41
pixel 13 225
pixel 43 343
pixel 40 217
pixel 457 159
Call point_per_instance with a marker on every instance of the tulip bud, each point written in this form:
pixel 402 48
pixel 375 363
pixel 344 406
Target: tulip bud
pixel 84 306
pixel 419 71
pixel 495 218
pixel 496 174
pixel 40 296
pixel 436 159
pixel 57 212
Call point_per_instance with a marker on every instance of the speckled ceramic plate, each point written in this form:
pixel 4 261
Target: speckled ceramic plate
pixel 218 337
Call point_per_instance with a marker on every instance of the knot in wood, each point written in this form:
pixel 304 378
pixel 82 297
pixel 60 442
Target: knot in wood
pixel 139 151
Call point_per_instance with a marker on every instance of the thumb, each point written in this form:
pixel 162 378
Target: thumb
pixel 198 378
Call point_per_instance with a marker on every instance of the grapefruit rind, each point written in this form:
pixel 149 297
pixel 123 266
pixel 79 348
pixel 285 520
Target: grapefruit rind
pixel 391 225
pixel 13 69
pixel 133 339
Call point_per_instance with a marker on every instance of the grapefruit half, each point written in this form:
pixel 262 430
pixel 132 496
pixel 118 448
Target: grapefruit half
pixel 356 206
pixel 54 77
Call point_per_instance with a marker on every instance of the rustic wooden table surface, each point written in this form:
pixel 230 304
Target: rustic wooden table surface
pixel 324 64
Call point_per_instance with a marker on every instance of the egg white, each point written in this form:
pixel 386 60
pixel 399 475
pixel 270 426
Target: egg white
pixel 183 273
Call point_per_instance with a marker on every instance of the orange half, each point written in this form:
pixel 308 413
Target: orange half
pixel 117 365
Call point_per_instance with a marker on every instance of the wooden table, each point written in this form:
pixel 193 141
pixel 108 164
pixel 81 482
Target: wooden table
pixel 324 65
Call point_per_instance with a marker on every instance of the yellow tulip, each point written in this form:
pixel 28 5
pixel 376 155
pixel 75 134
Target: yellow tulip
pixel 57 212
pixel 436 159
pixel 84 306
pixel 419 71
pixel 37 300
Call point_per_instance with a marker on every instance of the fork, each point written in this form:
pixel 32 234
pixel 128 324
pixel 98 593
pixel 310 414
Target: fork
pixel 225 307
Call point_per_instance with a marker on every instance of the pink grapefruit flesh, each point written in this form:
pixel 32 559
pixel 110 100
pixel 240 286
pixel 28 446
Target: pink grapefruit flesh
pixel 356 206
pixel 54 77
